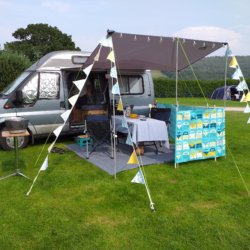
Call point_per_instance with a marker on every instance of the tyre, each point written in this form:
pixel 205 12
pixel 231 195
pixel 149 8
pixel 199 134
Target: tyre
pixel 7 143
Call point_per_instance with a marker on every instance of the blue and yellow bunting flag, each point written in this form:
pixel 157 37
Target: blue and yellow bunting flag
pixel 247 97
pixel 58 130
pixel 111 56
pixel 129 140
pixel 242 86
pixel 116 89
pixel 133 159
pixel 237 75
pixel 124 123
pixel 66 115
pixel 247 109
pixel 73 99
pixel 120 105
pixel 229 52
pixel 97 56
pixel 80 84
pixel 106 42
pixel 88 69
pixel 44 165
pixel 139 178
pixel 243 98
pixel 233 63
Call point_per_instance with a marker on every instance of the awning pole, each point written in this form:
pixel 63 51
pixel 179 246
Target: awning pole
pixel 176 83
pixel 176 73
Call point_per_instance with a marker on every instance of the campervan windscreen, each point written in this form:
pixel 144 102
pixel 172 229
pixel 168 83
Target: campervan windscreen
pixel 11 87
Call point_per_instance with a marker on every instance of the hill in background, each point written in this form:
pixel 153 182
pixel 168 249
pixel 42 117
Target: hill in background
pixel 213 68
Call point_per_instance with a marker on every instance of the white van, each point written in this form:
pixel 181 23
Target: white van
pixel 40 94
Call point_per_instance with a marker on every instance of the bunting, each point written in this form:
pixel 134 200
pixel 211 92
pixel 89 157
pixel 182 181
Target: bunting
pixel 243 98
pixel 237 75
pixel 247 109
pixel 229 52
pixel 97 56
pixel 111 56
pixel 139 178
pixel 124 123
pixel 106 42
pixel 72 100
pixel 242 86
pixel 58 130
pixel 66 115
pixel 129 140
pixel 45 164
pixel 133 159
pixel 247 97
pixel 233 63
pixel 120 105
pixel 79 84
pixel 51 146
pixel 87 70
pixel 116 89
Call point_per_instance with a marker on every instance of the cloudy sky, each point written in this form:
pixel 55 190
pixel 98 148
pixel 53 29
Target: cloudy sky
pixel 87 20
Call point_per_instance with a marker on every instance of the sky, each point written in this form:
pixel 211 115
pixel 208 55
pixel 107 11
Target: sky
pixel 88 20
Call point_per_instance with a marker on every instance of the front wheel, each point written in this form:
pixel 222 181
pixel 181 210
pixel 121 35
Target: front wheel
pixel 7 143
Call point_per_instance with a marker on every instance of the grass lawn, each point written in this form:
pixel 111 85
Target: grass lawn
pixel 75 205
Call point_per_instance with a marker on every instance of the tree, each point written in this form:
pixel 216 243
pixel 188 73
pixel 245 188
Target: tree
pixel 36 40
pixel 12 64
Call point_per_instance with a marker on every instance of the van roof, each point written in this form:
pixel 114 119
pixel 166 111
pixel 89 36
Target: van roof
pixel 60 59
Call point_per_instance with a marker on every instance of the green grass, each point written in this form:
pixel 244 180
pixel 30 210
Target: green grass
pixel 75 205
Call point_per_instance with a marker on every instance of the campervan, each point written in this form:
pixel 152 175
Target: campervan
pixel 41 93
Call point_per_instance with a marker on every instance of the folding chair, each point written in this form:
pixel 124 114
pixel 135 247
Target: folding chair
pixel 162 114
pixel 98 128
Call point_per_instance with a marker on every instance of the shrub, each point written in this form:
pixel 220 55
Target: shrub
pixel 12 64
pixel 165 87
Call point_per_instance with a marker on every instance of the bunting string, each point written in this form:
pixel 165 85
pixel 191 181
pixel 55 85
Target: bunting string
pixel 242 85
pixel 133 159
pixel 72 100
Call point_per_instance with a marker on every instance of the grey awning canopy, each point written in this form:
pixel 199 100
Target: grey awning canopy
pixel 153 52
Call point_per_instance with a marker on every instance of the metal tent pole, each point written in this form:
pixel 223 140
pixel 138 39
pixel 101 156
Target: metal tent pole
pixel 176 83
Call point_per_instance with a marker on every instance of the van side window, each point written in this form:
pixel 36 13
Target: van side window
pixel 131 85
pixel 49 86
pixel 29 91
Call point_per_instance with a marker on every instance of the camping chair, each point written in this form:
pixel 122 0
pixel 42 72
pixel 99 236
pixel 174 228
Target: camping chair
pixel 162 114
pixel 98 128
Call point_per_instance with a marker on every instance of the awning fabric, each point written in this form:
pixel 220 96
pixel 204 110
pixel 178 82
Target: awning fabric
pixel 153 52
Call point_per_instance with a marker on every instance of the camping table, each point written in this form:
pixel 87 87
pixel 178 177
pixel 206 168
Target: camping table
pixel 15 136
pixel 143 130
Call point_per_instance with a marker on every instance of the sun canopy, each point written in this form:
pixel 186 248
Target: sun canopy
pixel 153 52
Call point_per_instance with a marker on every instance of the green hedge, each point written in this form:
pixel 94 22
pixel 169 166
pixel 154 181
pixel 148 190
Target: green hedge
pixel 11 66
pixel 165 87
